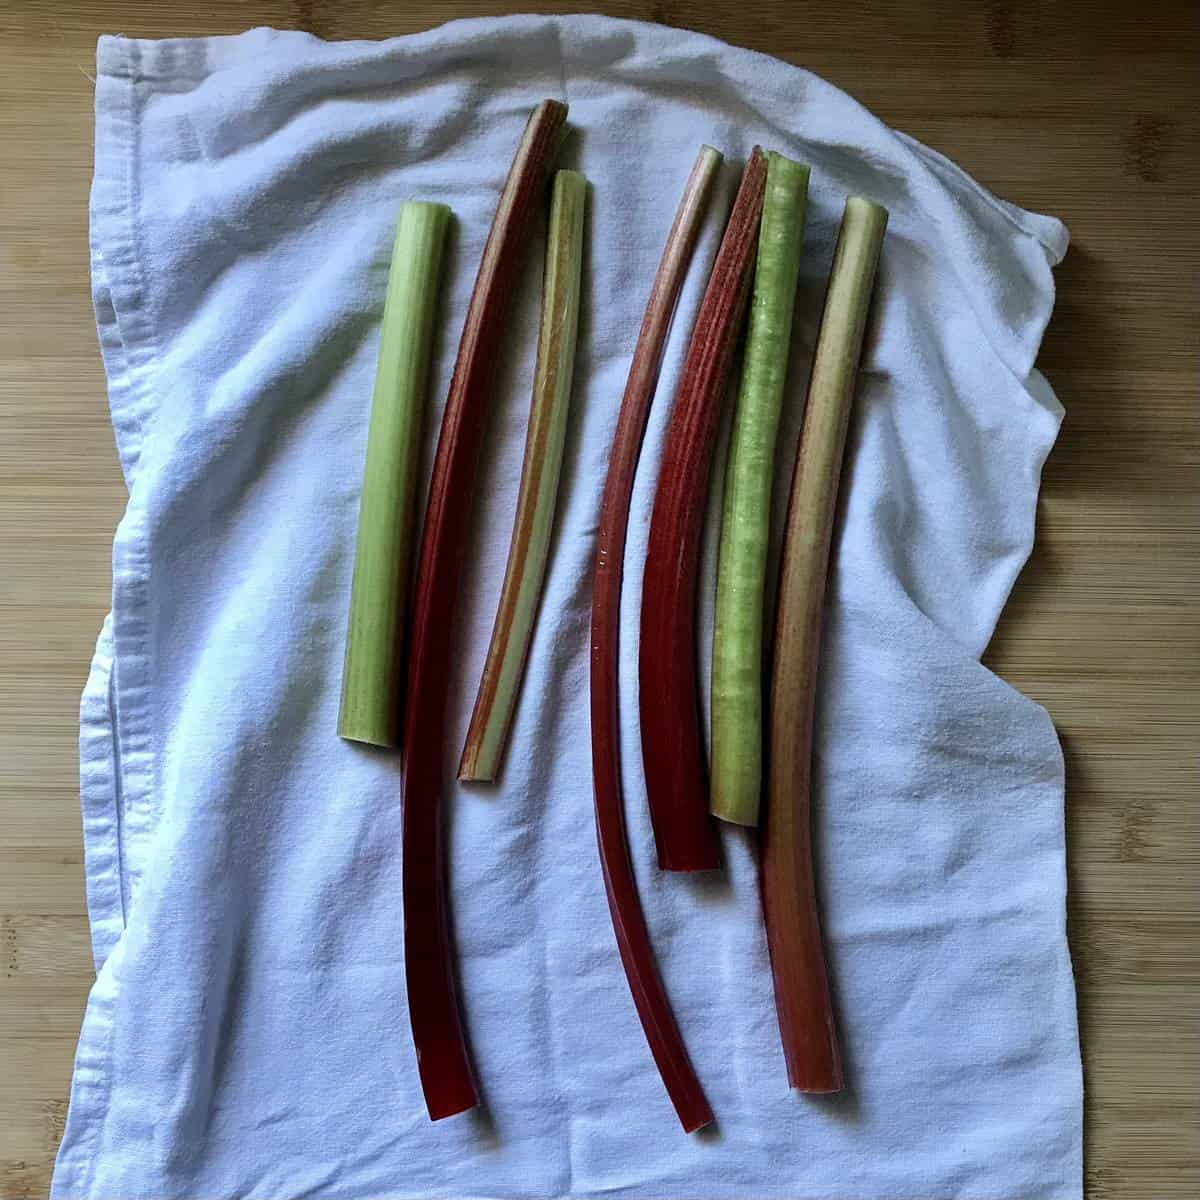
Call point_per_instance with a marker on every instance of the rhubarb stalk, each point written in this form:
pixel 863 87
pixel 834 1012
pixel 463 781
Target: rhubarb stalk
pixel 530 545
pixel 737 647
pixel 445 1070
pixel 629 923
pixel 802 1000
pixel 672 739
pixel 372 672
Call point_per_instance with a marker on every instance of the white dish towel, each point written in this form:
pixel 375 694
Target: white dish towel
pixel 247 1033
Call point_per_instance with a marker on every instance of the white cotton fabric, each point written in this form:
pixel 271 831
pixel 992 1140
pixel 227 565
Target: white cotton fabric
pixel 247 1033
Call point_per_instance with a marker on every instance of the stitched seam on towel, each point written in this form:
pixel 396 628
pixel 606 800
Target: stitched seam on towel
pixel 118 792
pixel 131 560
pixel 96 1093
pixel 100 803
pixel 118 248
pixel 116 232
pixel 99 767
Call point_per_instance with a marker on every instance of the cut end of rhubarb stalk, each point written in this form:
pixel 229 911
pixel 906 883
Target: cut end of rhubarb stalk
pixel 802 996
pixel 512 633
pixel 673 754
pixel 448 1100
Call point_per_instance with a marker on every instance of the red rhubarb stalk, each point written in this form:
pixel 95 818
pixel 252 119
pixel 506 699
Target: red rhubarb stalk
pixel 802 1000
pixel 445 1069
pixel 672 737
pixel 629 923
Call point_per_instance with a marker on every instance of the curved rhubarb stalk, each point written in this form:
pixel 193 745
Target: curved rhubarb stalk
pixel 530 546
pixel 802 1001
pixel 672 739
pixel 445 1070
pixel 629 923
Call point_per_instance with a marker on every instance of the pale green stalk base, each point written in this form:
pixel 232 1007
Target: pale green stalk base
pixel 372 673
pixel 526 567
pixel 737 657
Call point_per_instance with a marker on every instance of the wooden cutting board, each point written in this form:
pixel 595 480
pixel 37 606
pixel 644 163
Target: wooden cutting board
pixel 1085 110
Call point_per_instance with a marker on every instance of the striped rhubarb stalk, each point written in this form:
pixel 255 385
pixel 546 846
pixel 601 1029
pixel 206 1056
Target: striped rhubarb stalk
pixel 672 737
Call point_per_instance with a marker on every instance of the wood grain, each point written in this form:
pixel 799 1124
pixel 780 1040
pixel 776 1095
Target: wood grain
pixel 1086 110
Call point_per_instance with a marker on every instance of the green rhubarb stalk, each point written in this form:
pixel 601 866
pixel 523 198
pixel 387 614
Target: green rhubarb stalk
pixel 513 629
pixel 372 672
pixel 737 658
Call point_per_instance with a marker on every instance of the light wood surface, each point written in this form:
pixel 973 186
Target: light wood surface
pixel 1086 110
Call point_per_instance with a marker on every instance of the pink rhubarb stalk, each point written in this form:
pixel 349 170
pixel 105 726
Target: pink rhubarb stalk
pixel 629 923
pixel 802 1000
pixel 442 1061
pixel 672 736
